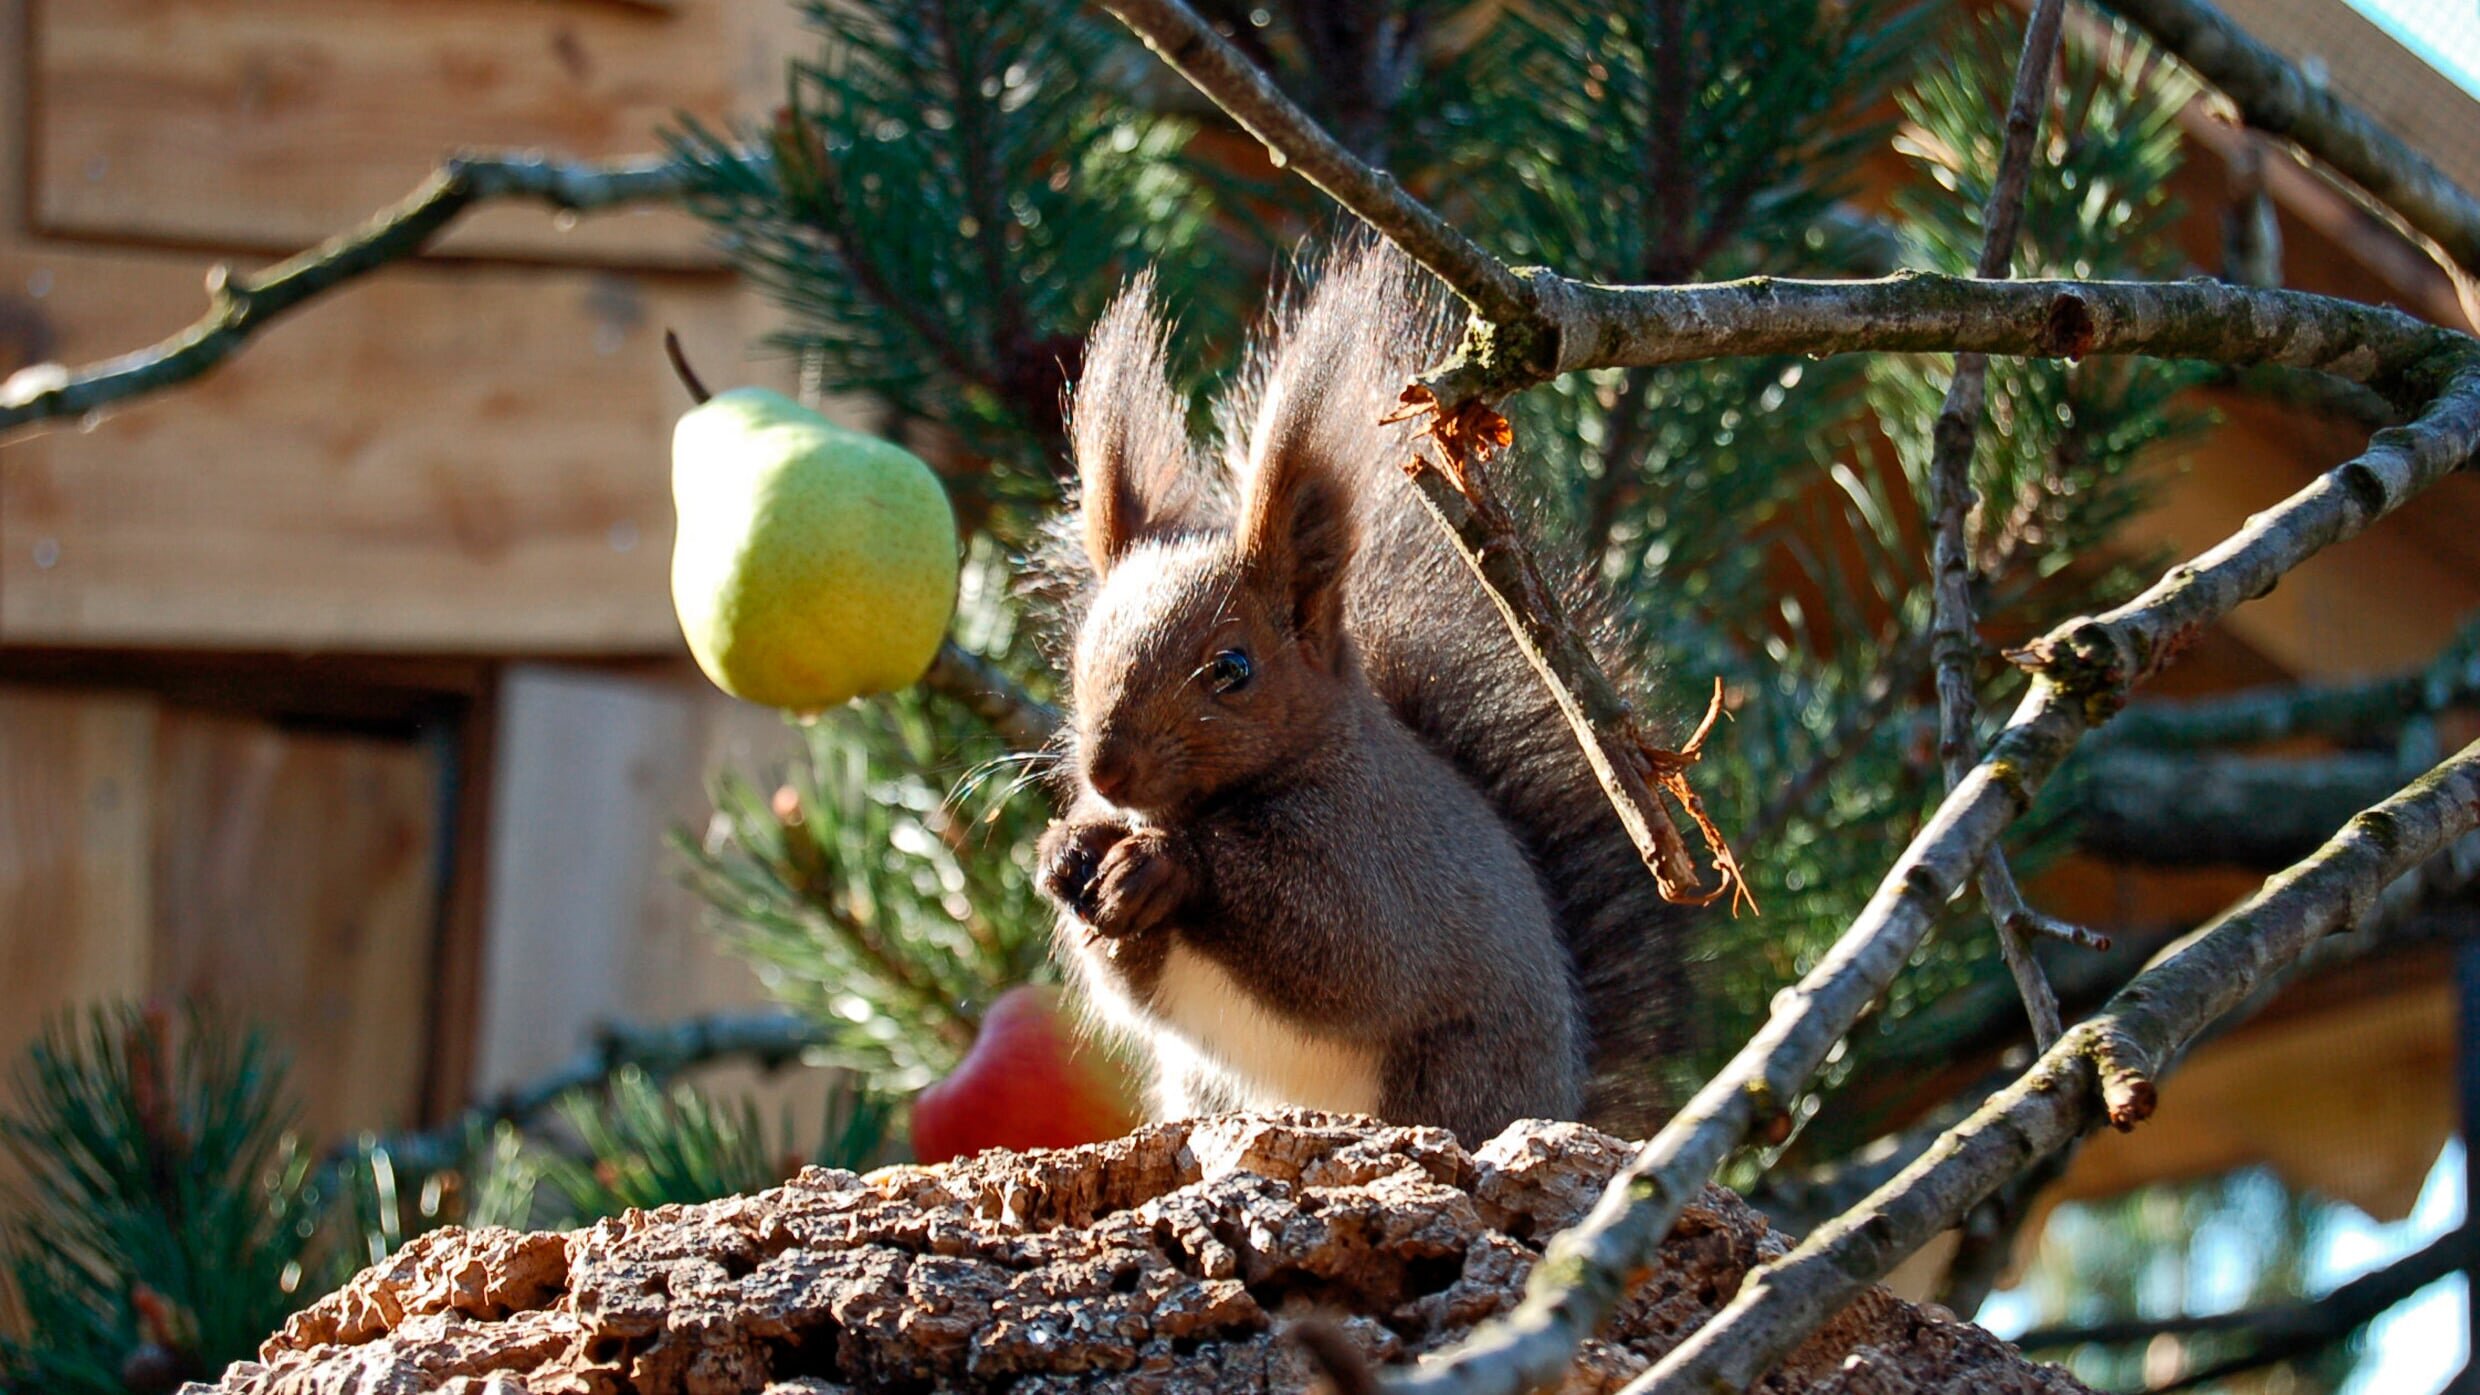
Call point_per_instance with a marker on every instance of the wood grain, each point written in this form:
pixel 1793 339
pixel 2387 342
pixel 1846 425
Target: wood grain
pixel 76 829
pixel 267 125
pixel 587 919
pixel 294 889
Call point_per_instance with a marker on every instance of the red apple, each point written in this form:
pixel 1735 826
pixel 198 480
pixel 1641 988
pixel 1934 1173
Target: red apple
pixel 1028 1082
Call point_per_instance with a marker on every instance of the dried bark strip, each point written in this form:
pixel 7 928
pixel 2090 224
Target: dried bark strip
pixel 2105 1066
pixel 1627 765
pixel 240 306
pixel 2274 96
pixel 1953 635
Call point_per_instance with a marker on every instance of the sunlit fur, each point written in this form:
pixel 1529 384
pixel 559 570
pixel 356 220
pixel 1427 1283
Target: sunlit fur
pixel 1350 925
pixel 1398 879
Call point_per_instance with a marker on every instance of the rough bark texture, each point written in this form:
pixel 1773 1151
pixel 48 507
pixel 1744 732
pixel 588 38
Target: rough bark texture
pixel 1158 1262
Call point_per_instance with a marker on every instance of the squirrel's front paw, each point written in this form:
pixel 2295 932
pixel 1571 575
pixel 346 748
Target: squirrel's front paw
pixel 1068 857
pixel 1138 886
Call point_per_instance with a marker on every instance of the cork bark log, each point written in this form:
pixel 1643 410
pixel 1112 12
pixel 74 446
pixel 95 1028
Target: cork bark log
pixel 1164 1261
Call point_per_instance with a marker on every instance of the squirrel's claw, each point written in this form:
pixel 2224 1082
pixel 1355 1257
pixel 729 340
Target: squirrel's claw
pixel 1137 887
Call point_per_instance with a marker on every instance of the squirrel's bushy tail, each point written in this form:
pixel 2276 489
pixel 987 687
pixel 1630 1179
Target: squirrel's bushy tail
pixel 1439 653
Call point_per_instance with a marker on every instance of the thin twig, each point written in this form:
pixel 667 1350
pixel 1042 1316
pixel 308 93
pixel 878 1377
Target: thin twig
pixel 2146 1025
pixel 2082 672
pixel 2133 804
pixel 1953 632
pixel 242 305
pixel 2275 97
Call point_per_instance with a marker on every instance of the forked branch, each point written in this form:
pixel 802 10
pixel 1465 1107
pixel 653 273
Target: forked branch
pixel 2105 1066
pixel 1955 639
pixel 2082 671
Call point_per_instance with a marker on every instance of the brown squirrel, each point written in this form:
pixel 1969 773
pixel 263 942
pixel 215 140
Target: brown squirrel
pixel 1329 842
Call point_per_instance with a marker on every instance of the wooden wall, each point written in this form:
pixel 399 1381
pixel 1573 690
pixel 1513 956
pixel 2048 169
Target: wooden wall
pixel 154 852
pixel 269 735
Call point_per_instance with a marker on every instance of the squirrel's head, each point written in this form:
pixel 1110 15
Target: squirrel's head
pixel 1213 653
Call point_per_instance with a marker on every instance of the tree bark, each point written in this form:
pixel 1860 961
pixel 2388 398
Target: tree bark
pixel 1174 1259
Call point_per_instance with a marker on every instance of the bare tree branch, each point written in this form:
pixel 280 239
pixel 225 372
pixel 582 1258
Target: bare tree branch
pixel 2082 672
pixel 2274 96
pixel 2105 1067
pixel 241 305
pixel 1920 312
pixel 1953 633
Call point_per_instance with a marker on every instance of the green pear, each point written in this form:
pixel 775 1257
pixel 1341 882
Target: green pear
pixel 812 564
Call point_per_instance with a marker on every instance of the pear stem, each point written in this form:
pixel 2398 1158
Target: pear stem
pixel 680 366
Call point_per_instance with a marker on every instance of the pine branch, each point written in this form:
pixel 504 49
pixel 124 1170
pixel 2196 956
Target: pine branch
pixel 1024 722
pixel 2286 1331
pixel 769 1037
pixel 242 305
pixel 2449 682
pixel 2274 96
pixel 2158 808
pixel 2104 1068
pixel 1205 58
pixel 1952 630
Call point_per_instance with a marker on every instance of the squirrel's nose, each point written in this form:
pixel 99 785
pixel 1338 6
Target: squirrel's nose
pixel 1111 776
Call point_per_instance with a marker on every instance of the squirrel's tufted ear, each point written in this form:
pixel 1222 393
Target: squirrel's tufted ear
pixel 1314 415
pixel 1135 475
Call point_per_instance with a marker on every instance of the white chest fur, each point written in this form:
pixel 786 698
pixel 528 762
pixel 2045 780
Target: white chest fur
pixel 1272 1059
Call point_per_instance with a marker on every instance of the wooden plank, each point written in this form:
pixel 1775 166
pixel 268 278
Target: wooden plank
pixel 587 920
pixel 441 459
pixel 76 778
pixel 294 890
pixel 268 125
pixel 468 753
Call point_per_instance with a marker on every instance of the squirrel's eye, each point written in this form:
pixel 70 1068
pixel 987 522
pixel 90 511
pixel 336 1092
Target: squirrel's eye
pixel 1229 670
